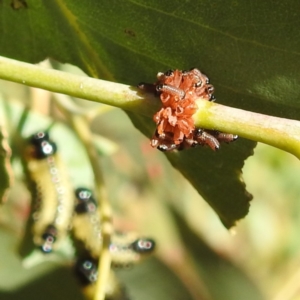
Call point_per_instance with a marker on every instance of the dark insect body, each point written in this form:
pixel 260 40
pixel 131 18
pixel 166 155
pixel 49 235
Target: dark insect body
pixel 178 92
pixel 86 271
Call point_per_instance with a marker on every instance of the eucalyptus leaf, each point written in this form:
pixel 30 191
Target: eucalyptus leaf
pixel 153 280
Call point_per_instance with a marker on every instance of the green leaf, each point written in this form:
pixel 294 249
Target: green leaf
pixel 19 282
pixel 153 280
pixel 225 192
pixel 249 51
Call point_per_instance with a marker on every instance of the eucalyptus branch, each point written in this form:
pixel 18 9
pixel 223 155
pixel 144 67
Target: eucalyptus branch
pixel 101 91
pixel 277 132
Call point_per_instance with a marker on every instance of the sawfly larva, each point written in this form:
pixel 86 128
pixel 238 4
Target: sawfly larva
pixel 86 224
pixel 126 248
pixel 53 196
pixel 86 271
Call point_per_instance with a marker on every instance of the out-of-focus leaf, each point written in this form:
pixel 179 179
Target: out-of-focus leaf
pixel 104 146
pixel 221 277
pixel 6 172
pixel 248 49
pixel 58 284
pixel 153 280
pixel 45 281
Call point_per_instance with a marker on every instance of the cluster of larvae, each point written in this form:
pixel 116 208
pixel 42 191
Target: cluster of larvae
pixel 59 211
pixel 178 91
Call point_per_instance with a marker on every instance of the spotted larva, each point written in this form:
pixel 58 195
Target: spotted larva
pixel 53 197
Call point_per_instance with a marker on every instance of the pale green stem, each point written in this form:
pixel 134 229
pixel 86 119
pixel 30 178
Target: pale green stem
pixel 277 132
pixel 101 91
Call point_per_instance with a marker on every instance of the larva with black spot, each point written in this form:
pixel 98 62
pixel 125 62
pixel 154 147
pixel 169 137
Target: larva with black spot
pixel 53 198
pixel 86 225
pixel 86 271
pixel 125 248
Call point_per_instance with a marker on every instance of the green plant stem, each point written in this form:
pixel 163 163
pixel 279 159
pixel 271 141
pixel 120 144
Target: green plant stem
pixel 101 91
pixel 277 132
